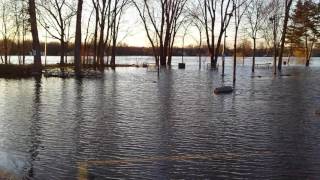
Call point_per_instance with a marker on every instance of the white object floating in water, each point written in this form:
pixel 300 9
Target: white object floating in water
pixel 223 90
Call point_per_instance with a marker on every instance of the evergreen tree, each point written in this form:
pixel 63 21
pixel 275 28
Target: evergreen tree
pixel 303 31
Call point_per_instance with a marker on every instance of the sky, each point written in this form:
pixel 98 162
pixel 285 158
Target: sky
pixel 132 31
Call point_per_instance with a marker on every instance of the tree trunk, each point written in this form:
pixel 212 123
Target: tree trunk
pixel 216 56
pixel 213 63
pixel 275 48
pixel 23 50
pixel 62 50
pixel 284 31
pixel 308 62
pixel 66 52
pixel 169 60
pixel 254 54
pixel 95 38
pixel 23 43
pixel 163 62
pixel 5 50
pixel 77 49
pixel 199 56
pixel 170 55
pixel 306 52
pixel 35 36
pixel 235 55
pixel 101 47
pixel 19 49
pixel 113 53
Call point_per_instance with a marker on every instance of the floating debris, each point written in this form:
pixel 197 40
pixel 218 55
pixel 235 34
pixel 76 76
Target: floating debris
pixel 92 74
pixel 69 73
pixel 223 90
pixel 256 76
pixel 182 65
pixel 285 75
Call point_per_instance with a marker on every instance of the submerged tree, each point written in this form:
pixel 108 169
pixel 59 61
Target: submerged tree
pixel 117 12
pixel 21 26
pixel 57 15
pixel 255 17
pixel 108 14
pixel 161 20
pixel 241 7
pixel 77 48
pixel 288 4
pixel 35 36
pixel 271 32
pixel 212 12
pixel 8 28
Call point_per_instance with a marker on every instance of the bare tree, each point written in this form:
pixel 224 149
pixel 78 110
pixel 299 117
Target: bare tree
pixel 17 12
pixel 161 19
pixel 241 7
pixel 96 4
pixel 77 49
pixel 288 4
pixel 211 11
pixel 255 17
pixel 17 15
pixel 274 12
pixel 103 9
pixel 87 37
pixel 198 23
pixel 108 14
pixel 25 28
pixel 117 12
pixel 8 27
pixel 57 14
pixel 199 27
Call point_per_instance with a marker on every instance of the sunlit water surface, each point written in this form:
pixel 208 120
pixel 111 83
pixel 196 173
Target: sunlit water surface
pixel 133 125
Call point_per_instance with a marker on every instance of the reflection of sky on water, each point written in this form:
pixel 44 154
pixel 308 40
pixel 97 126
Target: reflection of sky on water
pixel 13 162
pixel 189 60
pixel 131 124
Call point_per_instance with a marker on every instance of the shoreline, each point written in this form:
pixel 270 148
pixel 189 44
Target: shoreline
pixel 26 71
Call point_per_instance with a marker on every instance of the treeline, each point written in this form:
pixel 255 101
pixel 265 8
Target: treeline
pixel 53 49
pixel 284 27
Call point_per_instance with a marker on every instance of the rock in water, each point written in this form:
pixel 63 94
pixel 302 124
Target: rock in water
pixel 223 90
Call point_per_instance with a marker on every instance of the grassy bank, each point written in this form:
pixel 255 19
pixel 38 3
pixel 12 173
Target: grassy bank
pixel 9 70
pixel 25 71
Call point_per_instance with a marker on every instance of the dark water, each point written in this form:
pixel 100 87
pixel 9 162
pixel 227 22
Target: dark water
pixel 132 125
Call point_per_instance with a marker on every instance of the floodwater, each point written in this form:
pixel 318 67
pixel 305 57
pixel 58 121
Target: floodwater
pixel 133 125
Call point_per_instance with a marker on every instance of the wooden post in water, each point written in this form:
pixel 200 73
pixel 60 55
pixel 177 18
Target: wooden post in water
pixel 224 52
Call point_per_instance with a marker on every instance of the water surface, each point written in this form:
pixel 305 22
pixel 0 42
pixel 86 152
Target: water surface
pixel 133 125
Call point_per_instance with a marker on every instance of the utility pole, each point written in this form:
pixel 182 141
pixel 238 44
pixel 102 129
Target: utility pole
pixel 273 20
pixel 224 52
pixel 45 46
